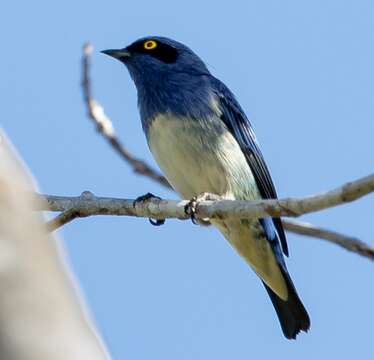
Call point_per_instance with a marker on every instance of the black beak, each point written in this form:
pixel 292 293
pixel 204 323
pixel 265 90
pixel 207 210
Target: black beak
pixel 117 53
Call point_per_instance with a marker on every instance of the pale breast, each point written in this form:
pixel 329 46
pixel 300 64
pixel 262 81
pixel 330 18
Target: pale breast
pixel 200 156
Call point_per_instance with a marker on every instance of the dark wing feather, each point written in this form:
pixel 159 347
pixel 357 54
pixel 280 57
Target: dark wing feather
pixel 238 124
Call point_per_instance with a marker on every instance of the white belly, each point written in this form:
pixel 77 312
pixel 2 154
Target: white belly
pixel 199 157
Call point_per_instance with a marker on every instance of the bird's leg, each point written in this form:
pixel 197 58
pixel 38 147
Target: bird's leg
pixel 191 207
pixel 144 198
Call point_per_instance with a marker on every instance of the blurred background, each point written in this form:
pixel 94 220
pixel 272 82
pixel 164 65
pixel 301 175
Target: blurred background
pixel 303 72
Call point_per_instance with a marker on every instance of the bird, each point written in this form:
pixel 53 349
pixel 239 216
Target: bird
pixel 203 142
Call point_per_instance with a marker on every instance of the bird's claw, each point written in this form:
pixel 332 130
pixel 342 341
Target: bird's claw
pixel 157 222
pixel 191 207
pixel 146 197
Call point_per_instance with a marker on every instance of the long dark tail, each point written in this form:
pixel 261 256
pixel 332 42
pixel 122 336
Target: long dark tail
pixel 292 315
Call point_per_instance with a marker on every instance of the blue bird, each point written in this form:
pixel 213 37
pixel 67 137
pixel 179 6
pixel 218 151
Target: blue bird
pixel 203 142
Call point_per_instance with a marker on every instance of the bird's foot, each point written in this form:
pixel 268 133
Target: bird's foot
pixel 147 197
pixel 191 207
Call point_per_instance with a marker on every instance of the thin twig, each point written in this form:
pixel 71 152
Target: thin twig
pixel 62 219
pixel 104 125
pixel 349 243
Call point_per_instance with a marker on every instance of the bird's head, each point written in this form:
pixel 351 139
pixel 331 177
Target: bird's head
pixel 169 77
pixel 154 56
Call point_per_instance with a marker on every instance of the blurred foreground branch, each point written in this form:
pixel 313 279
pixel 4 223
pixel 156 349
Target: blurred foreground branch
pixel 41 316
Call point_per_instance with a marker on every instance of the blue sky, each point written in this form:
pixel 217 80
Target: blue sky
pixel 303 72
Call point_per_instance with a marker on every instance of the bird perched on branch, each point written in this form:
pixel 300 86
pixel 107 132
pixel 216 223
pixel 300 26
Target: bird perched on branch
pixel 203 142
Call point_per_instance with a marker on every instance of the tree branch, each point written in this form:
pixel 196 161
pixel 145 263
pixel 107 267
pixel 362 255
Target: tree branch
pixel 88 204
pixel 104 125
pixel 62 219
pixel 349 243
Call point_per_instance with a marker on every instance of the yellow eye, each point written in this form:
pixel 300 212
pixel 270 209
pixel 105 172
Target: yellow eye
pixel 150 45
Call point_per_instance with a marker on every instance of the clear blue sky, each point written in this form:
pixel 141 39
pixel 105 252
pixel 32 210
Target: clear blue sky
pixel 304 73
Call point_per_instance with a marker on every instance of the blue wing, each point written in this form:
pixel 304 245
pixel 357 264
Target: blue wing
pixel 238 124
pixel 292 314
